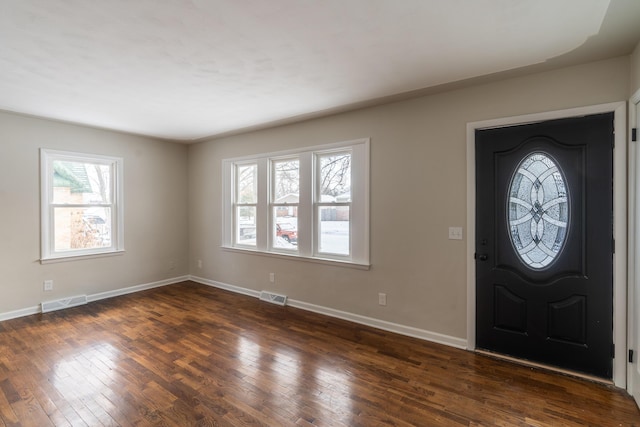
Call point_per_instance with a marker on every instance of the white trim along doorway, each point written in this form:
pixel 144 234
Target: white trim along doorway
pixel 620 221
pixel 633 371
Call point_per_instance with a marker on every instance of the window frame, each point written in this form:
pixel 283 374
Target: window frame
pixel 318 203
pixel 273 235
pixel 239 205
pixel 47 205
pixel 308 205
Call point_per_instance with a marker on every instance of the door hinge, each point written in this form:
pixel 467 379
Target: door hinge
pixel 630 356
pixel 613 245
pixel 634 134
pixel 613 351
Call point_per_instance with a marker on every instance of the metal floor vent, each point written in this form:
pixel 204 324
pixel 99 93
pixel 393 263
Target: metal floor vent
pixel 63 303
pixel 273 298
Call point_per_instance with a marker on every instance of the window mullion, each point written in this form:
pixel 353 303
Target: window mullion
pixel 305 206
pixel 262 207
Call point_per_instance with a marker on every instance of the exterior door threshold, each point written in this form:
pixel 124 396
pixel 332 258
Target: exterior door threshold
pixel 542 366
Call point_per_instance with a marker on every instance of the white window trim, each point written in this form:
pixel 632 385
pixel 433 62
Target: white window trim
pixel 48 253
pixel 359 224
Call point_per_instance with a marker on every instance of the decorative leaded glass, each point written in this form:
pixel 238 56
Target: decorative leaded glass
pixel 538 210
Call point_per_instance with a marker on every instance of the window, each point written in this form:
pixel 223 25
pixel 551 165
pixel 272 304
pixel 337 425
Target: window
pixel 285 199
pixel 246 203
pixel 312 203
pixel 81 202
pixel 333 202
pixel 538 210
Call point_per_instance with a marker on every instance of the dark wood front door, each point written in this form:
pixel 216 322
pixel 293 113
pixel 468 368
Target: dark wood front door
pixel 544 242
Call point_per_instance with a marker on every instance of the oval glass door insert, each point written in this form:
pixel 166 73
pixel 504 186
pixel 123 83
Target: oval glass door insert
pixel 538 210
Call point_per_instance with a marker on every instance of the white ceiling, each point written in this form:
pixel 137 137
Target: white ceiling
pixel 189 69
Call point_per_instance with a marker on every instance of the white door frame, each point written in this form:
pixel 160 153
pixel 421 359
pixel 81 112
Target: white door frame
pixel 620 221
pixel 633 373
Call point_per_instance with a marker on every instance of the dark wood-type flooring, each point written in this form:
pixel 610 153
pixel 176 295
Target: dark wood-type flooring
pixel 192 355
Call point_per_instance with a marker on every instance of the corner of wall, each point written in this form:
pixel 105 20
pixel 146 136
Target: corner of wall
pixel 635 70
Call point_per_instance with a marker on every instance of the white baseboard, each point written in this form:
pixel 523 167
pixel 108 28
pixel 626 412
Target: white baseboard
pixel 95 297
pixel 220 285
pixel 356 318
pixel 20 313
pixel 382 324
pixel 137 288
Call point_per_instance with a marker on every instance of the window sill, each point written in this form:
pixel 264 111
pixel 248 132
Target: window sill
pixel 325 261
pixel 66 258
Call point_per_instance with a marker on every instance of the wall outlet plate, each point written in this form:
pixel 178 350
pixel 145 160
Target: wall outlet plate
pixel 382 298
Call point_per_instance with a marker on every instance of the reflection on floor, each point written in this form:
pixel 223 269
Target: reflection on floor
pixel 188 354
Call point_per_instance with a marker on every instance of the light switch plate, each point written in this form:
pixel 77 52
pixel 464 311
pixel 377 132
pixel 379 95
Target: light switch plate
pixel 455 233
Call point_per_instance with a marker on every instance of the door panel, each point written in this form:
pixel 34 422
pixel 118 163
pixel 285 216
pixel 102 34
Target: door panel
pixel 568 319
pixel 544 233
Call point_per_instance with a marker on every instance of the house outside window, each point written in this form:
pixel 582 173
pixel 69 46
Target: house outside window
pixel 81 203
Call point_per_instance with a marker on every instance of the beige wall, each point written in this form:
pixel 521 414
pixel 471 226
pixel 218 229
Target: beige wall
pixel 635 70
pixel 155 181
pixel 173 192
pixel 418 190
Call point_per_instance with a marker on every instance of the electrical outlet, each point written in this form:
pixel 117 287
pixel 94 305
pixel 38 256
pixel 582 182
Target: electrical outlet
pixel 199 263
pixel 172 265
pixel 382 299
pixel 272 277
pixel 48 285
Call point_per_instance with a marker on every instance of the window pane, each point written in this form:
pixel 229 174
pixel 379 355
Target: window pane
pixel 335 177
pixel 81 183
pixel 82 228
pixel 247 181
pixel 246 229
pixel 285 227
pixel 286 181
pixel 334 230
pixel 538 208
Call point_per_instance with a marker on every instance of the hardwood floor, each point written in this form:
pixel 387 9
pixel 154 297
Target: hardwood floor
pixel 191 355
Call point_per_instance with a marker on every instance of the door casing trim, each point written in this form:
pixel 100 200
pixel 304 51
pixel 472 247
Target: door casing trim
pixel 633 248
pixel 620 220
